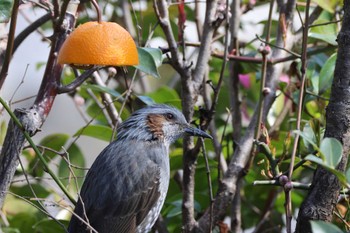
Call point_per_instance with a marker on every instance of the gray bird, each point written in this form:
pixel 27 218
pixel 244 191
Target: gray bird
pixel 126 186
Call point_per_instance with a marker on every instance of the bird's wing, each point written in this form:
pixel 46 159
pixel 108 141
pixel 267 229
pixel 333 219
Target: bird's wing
pixel 117 193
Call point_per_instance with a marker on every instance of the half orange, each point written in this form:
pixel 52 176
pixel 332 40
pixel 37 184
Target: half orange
pixel 94 43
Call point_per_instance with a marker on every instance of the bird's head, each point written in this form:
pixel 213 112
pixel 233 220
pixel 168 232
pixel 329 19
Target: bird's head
pixel 158 122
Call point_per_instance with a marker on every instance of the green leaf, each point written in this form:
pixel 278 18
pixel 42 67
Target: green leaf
pixel 329 38
pixel 347 174
pixel 24 222
pixel 332 150
pixel 25 190
pixel 55 142
pixel 315 159
pixel 102 89
pixel 328 5
pixel 96 131
pixel 49 226
pixel 10 230
pixel 324 31
pixel 150 59
pixel 319 161
pixel 166 95
pixel 76 158
pixel 327 73
pixel 308 136
pixel 146 99
pixel 324 227
pixel 5 10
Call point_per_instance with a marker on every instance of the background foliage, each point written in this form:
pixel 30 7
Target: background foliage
pixel 34 204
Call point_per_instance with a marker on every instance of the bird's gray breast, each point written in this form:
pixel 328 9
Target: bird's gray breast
pixel 153 214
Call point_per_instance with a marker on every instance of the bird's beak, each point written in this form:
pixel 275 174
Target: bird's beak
pixel 197 132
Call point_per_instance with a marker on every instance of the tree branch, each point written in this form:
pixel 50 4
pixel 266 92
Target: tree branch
pixel 33 118
pixel 322 197
pixel 10 41
pixel 240 159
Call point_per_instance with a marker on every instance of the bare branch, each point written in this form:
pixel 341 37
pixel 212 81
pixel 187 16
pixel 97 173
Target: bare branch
pixel 10 41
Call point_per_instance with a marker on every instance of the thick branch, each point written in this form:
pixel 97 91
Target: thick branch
pixel 13 145
pixel 320 202
pixel 33 118
pixel 241 157
pixel 190 90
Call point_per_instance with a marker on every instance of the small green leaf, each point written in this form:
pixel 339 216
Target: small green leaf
pixel 319 161
pixel 347 174
pixel 150 59
pixel 96 131
pixel 328 5
pixel 10 230
pixel 49 226
pixel 314 159
pixel 26 190
pixel 55 142
pixel 5 10
pixel 324 227
pixel 327 73
pixel 332 150
pixel 23 221
pixel 166 95
pixel 324 31
pixel 308 137
pixel 146 99
pixel 76 158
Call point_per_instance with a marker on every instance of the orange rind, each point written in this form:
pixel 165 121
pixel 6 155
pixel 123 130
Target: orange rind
pixel 99 43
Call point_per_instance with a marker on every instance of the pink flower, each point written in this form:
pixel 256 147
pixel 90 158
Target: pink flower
pixel 244 79
pixel 285 78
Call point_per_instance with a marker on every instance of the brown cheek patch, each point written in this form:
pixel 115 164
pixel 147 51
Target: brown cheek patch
pixel 155 123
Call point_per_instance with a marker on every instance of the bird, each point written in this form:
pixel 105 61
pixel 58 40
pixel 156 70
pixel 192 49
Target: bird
pixel 126 186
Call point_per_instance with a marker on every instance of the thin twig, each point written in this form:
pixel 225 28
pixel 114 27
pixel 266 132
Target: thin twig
pixel 37 207
pixel 19 85
pixel 37 151
pixel 266 42
pixel 77 81
pixel 41 208
pixel 210 188
pixel 264 54
pixel 296 185
pixel 31 28
pixel 98 10
pixel 299 112
pixel 224 63
pixel 107 101
pixel 11 38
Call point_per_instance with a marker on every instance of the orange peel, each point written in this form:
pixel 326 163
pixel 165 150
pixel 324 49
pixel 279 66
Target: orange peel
pixel 99 43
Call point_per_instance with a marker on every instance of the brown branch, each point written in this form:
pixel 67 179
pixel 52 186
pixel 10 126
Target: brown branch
pixel 288 193
pixel 33 118
pixel 31 28
pixel 161 10
pixel 272 60
pixel 77 81
pixel 240 159
pixel 324 192
pixel 191 87
pixel 10 41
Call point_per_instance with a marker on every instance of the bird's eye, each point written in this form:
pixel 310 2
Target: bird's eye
pixel 169 116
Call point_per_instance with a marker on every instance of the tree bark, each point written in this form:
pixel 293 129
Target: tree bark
pixel 322 197
pixel 33 118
